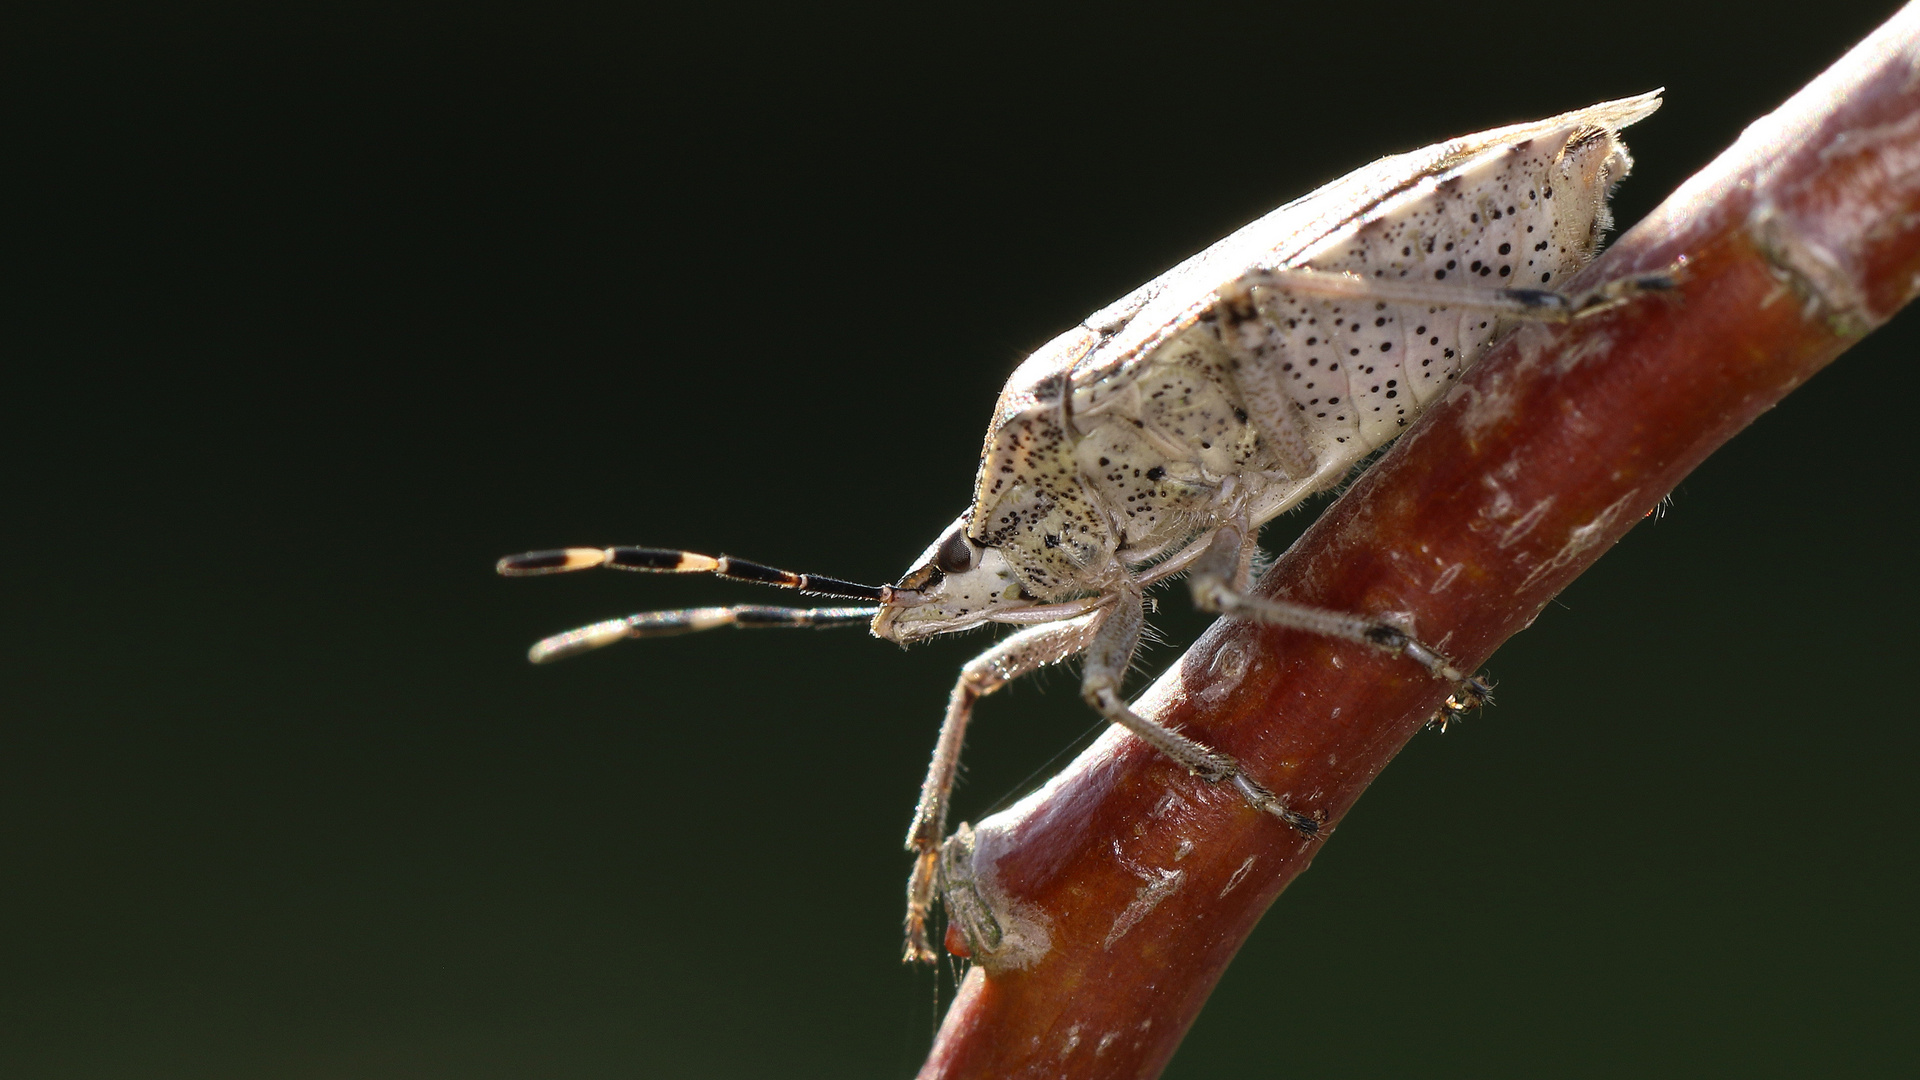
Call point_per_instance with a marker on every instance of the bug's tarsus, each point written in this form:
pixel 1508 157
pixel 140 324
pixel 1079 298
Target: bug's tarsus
pixel 1390 638
pixel 675 561
pixel 921 885
pixel 1266 800
pixel 1566 307
pixel 1469 696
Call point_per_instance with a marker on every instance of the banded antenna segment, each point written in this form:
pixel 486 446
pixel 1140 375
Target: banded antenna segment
pixel 671 561
pixel 689 620
pixel 649 624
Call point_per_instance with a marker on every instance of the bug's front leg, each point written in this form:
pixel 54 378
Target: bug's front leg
pixel 1027 651
pixel 1219 584
pixel 1107 661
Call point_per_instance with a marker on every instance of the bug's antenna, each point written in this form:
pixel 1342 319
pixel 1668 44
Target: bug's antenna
pixel 667 561
pixel 688 620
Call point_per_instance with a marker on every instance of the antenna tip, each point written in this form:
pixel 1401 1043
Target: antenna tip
pixel 558 561
pixel 582 640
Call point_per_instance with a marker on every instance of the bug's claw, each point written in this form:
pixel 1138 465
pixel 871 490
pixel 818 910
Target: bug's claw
pixel 1468 696
pixel 917 950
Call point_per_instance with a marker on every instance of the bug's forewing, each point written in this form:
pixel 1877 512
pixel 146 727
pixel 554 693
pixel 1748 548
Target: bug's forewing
pixel 1121 334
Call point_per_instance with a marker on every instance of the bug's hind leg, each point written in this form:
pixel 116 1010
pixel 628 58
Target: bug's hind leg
pixel 1531 305
pixel 1107 661
pixel 1219 584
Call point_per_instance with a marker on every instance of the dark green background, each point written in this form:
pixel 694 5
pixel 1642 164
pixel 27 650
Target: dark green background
pixel 314 315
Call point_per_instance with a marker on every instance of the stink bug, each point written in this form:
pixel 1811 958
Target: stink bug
pixel 1156 437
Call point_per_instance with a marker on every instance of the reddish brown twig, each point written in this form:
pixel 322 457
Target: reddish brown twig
pixel 1125 886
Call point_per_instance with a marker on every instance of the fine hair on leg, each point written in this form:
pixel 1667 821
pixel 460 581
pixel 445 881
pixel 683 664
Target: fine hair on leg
pixel 1027 651
pixel 1107 661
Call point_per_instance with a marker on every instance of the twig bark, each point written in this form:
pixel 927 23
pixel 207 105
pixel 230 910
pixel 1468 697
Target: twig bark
pixel 1122 889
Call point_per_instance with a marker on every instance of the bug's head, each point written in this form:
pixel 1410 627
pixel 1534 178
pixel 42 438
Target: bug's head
pixel 955 584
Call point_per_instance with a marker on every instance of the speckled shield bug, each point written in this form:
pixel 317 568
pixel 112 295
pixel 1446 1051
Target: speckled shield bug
pixel 1155 438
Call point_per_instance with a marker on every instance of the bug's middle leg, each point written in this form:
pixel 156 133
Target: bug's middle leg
pixel 1027 651
pixel 1107 661
pixel 1219 583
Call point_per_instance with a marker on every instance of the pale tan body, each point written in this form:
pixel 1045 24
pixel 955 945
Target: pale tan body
pixel 1158 436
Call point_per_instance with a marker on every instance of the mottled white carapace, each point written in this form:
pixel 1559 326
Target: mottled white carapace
pixel 1159 434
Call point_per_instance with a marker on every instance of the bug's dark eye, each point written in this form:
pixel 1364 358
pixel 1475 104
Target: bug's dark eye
pixel 956 553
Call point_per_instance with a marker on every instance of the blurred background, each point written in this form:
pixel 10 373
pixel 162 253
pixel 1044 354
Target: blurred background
pixel 317 311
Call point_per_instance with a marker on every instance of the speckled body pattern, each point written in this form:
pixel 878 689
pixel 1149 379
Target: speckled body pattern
pixel 1120 442
pixel 1157 436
